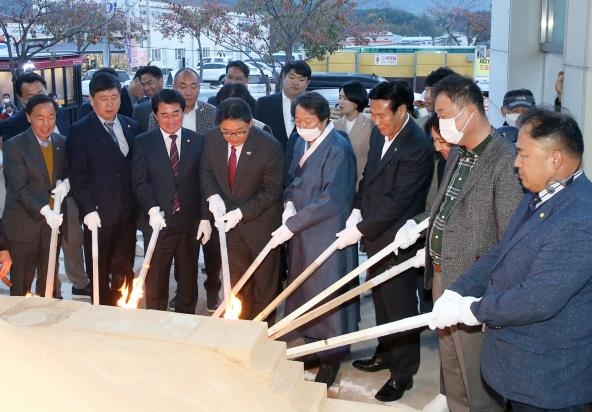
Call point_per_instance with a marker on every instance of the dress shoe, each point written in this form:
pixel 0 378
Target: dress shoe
pixel 373 364
pixel 309 361
pixel 212 302
pixel 392 391
pixel 85 291
pixel 327 373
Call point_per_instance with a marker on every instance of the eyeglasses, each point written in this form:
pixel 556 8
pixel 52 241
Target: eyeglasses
pixel 238 133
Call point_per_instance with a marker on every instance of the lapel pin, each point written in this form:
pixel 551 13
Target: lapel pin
pixel 542 215
pixel 188 141
pixel 248 153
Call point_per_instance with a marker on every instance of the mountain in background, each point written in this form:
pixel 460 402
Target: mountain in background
pixel 415 6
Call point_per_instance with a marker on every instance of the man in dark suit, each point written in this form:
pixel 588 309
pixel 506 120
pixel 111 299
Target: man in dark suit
pixel 165 170
pixel 242 181
pixel 396 181
pixel 99 148
pixel 34 162
pixel 532 290
pixel 275 110
pixel 152 82
pixel 236 72
pixel 5 259
pixel 27 86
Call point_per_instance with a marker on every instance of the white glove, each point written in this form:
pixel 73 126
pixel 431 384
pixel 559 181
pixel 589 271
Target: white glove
pixel 61 190
pixel 289 211
pixel 354 218
pixel 217 206
pixel 92 220
pixel 204 231
pixel 231 219
pixel 465 314
pixel 406 236
pixel 280 236
pixel 446 310
pixel 348 236
pixel 52 218
pixel 156 218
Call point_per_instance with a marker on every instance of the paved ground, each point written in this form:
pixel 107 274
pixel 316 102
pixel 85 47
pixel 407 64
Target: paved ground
pixel 351 384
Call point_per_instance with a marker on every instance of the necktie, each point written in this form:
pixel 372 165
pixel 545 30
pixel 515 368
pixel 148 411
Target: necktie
pixel 231 166
pixel 174 160
pixel 109 127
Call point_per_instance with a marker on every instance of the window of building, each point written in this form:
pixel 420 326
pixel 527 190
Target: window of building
pixel 155 54
pixel 553 26
pixel 179 54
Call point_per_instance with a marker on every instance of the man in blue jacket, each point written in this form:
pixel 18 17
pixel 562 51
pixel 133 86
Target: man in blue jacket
pixel 533 289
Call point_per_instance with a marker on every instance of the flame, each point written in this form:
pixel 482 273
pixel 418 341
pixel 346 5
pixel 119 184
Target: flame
pixel 134 297
pixel 233 309
pixel 29 294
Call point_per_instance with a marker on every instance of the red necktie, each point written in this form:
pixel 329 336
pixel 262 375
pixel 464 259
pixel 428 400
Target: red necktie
pixel 174 159
pixel 231 166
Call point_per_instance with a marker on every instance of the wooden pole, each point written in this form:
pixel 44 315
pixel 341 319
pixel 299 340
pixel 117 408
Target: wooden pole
pixel 247 275
pixel 390 248
pixel 398 326
pixel 53 252
pixel 224 256
pixel 95 263
pixel 417 261
pixel 298 281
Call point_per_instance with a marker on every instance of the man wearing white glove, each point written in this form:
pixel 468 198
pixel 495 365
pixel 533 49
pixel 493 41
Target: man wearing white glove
pixel 33 162
pixel 280 236
pixel 166 181
pixel 100 147
pixel 62 189
pixel 53 219
pixel 393 189
pixel 241 176
pixel 289 211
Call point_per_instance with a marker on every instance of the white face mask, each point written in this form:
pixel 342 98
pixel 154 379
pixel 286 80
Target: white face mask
pixel 6 101
pixel 448 129
pixel 423 111
pixel 309 134
pixel 512 118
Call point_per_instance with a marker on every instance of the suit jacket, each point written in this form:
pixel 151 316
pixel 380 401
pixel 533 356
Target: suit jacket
pixel 28 184
pixel 269 111
pixel 18 123
pixel 100 176
pixel 141 114
pixel 257 187
pixel 155 184
pixel 205 118
pixel 3 241
pixel 482 211
pixel 213 100
pixel 536 288
pixel 359 136
pixel 394 188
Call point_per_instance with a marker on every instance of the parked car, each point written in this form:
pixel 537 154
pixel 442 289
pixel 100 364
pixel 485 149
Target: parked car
pixel 212 72
pixel 124 79
pixel 327 80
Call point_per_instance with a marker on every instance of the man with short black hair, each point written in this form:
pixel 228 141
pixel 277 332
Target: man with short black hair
pixel 152 82
pixel 99 148
pixel 532 290
pixel 478 194
pixel 241 177
pixel 34 163
pixel 393 190
pixel 167 185
pixel 236 72
pixel 29 85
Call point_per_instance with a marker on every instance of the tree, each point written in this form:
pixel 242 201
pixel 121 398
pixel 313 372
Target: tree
pixel 457 16
pixel 182 19
pixel 34 26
